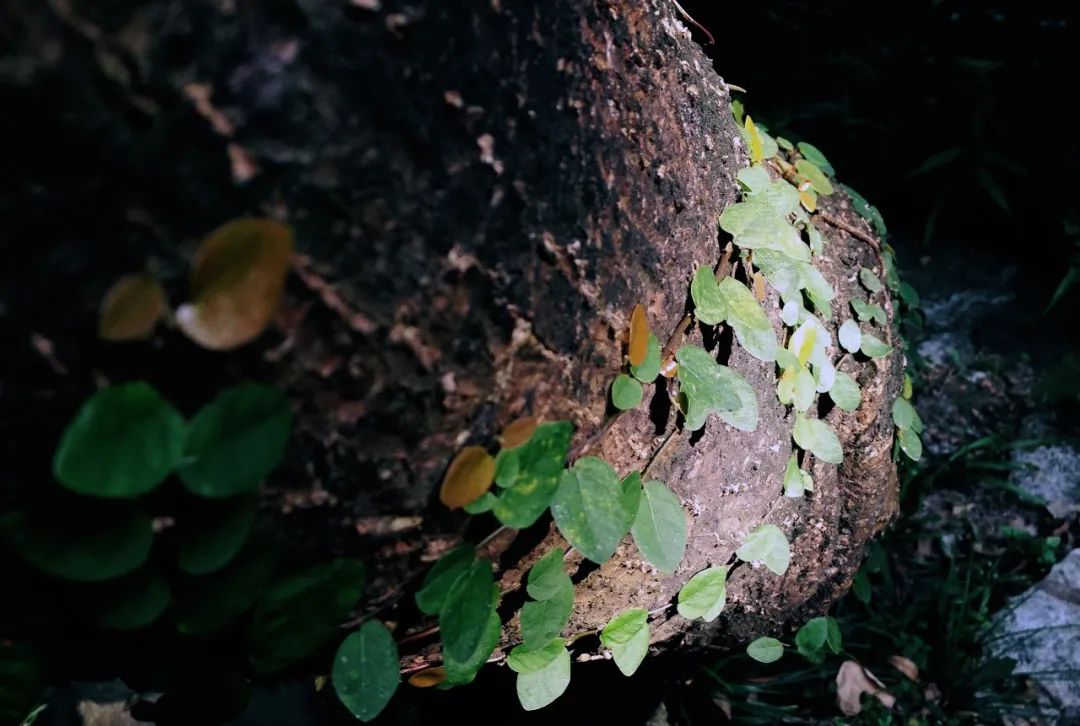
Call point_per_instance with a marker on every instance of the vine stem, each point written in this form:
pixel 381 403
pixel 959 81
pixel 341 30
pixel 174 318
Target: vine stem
pixel 850 229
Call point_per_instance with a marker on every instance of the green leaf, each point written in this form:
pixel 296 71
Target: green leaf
pixel 627 637
pixel 537 469
pixel 810 640
pixel 20 680
pixel 765 650
pixel 768 545
pixel 784 144
pixel 793 481
pixel 758 224
pixel 441 577
pixel 481 505
pixel 588 508
pixel 297 614
pixel 910 443
pixel 845 392
pixel 460 672
pixel 466 610
pixel 553 591
pixel 660 527
pixel 909 295
pixel 711 387
pixel 543 620
pixel 754 178
pixel 869 280
pixel 812 154
pixel 708 302
pixel 817 289
pixel 235 441
pixel 208 603
pixel 650 367
pixel 548 577
pixel 796 386
pixel 131 603
pixel 539 686
pixel 850 336
pixel 365 673
pixel 874 347
pixel 704 595
pixel 869 312
pixel 631 497
pixel 860 585
pixel 121 444
pixel 818 181
pixel 815 436
pixel 625 392
pixel 751 325
pixel 82 546
pixel 790 314
pixel 936 160
pixel 904 415
pixel 531 660
pixel 213 533
pixel 833 638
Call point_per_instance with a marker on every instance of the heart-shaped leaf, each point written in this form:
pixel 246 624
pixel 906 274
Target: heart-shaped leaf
pixel 627 637
pixel 588 508
pixel 704 595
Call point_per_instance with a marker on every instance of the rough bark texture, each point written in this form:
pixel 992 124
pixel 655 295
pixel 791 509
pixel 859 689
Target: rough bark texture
pixel 481 192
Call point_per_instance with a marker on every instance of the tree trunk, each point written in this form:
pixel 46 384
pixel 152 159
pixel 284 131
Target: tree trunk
pixel 481 192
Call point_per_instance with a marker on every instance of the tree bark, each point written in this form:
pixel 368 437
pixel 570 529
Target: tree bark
pixel 481 192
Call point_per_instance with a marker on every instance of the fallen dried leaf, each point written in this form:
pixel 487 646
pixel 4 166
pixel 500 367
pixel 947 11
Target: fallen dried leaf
pixel 428 677
pixel 639 336
pixel 852 681
pixel 905 666
pixel 468 478
pixel 518 431
pixel 237 279
pixel 131 308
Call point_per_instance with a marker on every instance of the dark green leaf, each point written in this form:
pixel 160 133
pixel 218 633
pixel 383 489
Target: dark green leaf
pixel 588 508
pixel 296 615
pixel 20 680
pixel 465 613
pixel 631 497
pixel 235 441
pixel 812 154
pixel 543 620
pixel 860 585
pixel 460 672
pixel 365 673
pixel 810 640
pixel 539 465
pixel 442 576
pixel 660 527
pixel 481 505
pixel 131 603
pixel 208 603
pixel 122 443
pixel 211 535
pixel 85 547
pixel 627 637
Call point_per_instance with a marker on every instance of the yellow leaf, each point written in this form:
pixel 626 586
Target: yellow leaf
pixel 809 200
pixel 237 278
pixel 468 478
pixel 639 336
pixel 131 308
pixel 518 431
pixel 428 677
pixel 756 152
pixel 759 286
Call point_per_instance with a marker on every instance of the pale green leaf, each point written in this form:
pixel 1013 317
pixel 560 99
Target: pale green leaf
pixel 751 325
pixel 850 336
pixel 793 481
pixel 790 313
pixel 811 637
pixel 904 415
pixel 708 303
pixel 845 392
pixel 824 376
pixel 869 312
pixel 815 436
pixel 548 577
pixel 874 347
pixel 754 178
pixel 626 392
pixel 660 527
pixel 537 688
pixel 818 181
pixel 627 637
pixel 704 595
pixel 869 280
pixel 765 650
pixel 768 545
pixel 588 508
pixel 910 443
pixel 711 387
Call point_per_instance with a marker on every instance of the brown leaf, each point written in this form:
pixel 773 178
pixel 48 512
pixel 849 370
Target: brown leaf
pixel 639 336
pixel 852 681
pixel 428 677
pixel 905 666
pixel 469 476
pixel 237 278
pixel 131 308
pixel 518 431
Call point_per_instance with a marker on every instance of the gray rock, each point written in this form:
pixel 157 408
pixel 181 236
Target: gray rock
pixel 1040 629
pixel 1051 473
